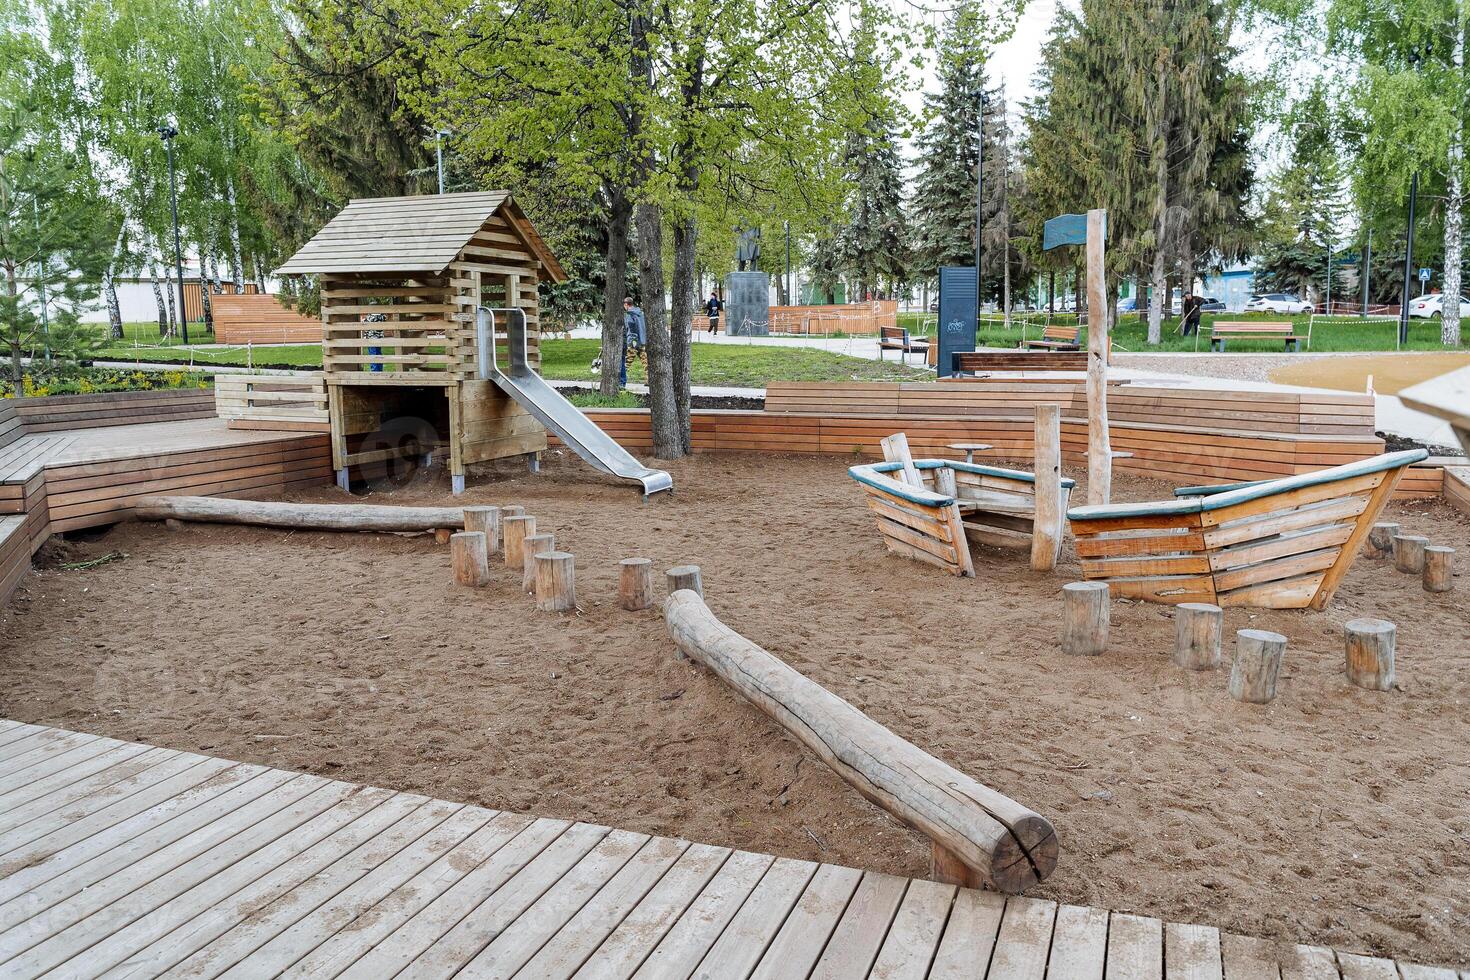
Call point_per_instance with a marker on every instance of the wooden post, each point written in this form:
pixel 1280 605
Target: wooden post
pixel 468 558
pixel 896 450
pixel 1380 540
pixel 684 577
pixel 1439 568
pixel 944 482
pixel 1046 526
pixel 556 587
pixel 635 583
pixel 530 548
pixel 497 543
pixel 1099 448
pixel 1197 635
pixel 485 519
pixel 1408 553
pixel 1257 662
pixel 515 531
pixel 1085 618
pixel 1369 645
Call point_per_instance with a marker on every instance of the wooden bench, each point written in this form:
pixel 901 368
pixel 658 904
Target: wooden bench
pixel 1056 337
pixel 1274 544
pixel 897 338
pixel 1252 330
pixel 981 362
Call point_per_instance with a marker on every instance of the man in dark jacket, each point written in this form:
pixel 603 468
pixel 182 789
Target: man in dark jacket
pixel 1189 321
pixel 634 335
pixel 712 308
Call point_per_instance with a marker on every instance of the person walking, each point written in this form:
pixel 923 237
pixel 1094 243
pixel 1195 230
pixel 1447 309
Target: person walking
pixel 634 335
pixel 712 308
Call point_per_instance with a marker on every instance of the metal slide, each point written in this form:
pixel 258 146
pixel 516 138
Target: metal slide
pixel 531 391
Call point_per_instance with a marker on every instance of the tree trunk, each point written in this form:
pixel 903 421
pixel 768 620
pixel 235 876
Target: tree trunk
pixel 620 210
pixel 109 286
pixel 663 408
pixel 237 262
pixel 158 300
pixel 169 291
pixel 1454 219
pixel 1158 139
pixel 682 316
pixel 1158 286
pixel 17 368
pixel 205 304
pixel 316 517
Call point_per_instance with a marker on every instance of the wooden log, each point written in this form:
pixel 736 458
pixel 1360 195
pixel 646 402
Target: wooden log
pixel 556 586
pixel 532 546
pixel 1408 553
pixel 1099 449
pixel 1046 530
pixel 1380 540
pixel 497 540
pixel 469 559
pixel 1085 618
pixel 315 517
pixel 635 583
pixel 514 532
pixel 1369 645
pixel 1258 656
pixel 485 519
pixel 944 482
pixel 997 841
pixel 896 450
pixel 1197 635
pixel 684 577
pixel 1439 568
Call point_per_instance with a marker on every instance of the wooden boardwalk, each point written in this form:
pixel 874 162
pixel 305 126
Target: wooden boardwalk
pixel 126 860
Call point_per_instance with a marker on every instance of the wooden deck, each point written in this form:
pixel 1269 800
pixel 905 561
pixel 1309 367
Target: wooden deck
pixel 126 860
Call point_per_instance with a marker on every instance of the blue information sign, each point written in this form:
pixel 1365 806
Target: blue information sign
pixel 1423 275
pixel 958 310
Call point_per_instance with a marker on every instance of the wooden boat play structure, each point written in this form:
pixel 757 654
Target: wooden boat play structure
pixel 403 281
pixel 934 513
pixel 1279 544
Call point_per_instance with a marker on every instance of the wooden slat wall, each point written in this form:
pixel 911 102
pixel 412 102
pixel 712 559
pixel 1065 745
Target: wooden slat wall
pixel 1179 455
pixel 62 412
pixel 1325 413
pixel 258 318
pixel 863 319
pixel 288 403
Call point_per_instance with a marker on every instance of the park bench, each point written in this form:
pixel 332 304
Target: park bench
pixel 978 362
pixel 897 338
pixel 1274 544
pixel 1251 330
pixel 1055 337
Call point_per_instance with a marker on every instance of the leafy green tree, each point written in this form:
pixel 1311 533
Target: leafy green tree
pixel 53 248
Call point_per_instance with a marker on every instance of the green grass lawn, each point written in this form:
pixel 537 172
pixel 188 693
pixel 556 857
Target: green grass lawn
pixel 715 365
pixel 1131 333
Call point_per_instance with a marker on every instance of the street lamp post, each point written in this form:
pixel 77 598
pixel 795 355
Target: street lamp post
pixel 979 193
pixel 168 133
pixel 1367 271
pixel 439 155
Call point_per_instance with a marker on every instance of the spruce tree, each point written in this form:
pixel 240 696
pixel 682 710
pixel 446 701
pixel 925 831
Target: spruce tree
pixel 872 249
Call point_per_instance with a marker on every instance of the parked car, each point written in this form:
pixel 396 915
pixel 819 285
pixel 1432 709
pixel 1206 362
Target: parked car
pixel 1432 305
pixel 1277 303
pixel 1128 305
pixel 1212 305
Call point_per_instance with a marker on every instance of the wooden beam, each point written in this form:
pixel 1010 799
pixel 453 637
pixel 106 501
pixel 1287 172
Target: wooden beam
pixel 320 517
pixel 1003 844
pixel 1099 449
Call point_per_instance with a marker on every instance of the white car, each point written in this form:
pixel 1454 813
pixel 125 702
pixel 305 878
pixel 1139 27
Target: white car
pixel 1277 303
pixel 1433 305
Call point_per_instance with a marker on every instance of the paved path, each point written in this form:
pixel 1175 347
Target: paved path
pixel 127 860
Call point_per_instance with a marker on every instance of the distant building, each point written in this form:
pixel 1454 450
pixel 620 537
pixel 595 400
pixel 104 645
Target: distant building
pixel 1232 286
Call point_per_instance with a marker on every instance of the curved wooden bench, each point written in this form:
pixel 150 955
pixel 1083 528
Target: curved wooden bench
pixel 990 505
pixel 1277 544
pixel 980 836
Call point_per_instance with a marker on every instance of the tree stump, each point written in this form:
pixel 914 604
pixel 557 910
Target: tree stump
pixel 1369 644
pixel 556 587
pixel 442 535
pixel 1258 656
pixel 635 583
pixel 530 548
pixel 944 482
pixel 684 577
pixel 1439 568
pixel 468 558
pixel 1380 540
pixel 514 531
pixel 1197 635
pixel 1408 553
pixel 1085 618
pixel 485 519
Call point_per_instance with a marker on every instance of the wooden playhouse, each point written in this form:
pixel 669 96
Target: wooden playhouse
pixel 401 279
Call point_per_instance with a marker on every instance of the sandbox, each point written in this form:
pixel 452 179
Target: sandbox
pixel 1333 815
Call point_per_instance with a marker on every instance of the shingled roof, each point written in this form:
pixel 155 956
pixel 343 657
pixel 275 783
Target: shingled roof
pixel 423 233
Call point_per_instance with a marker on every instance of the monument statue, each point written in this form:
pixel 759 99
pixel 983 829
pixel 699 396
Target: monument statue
pixel 747 248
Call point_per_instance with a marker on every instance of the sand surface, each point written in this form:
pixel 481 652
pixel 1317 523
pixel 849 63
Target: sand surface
pixel 1333 815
